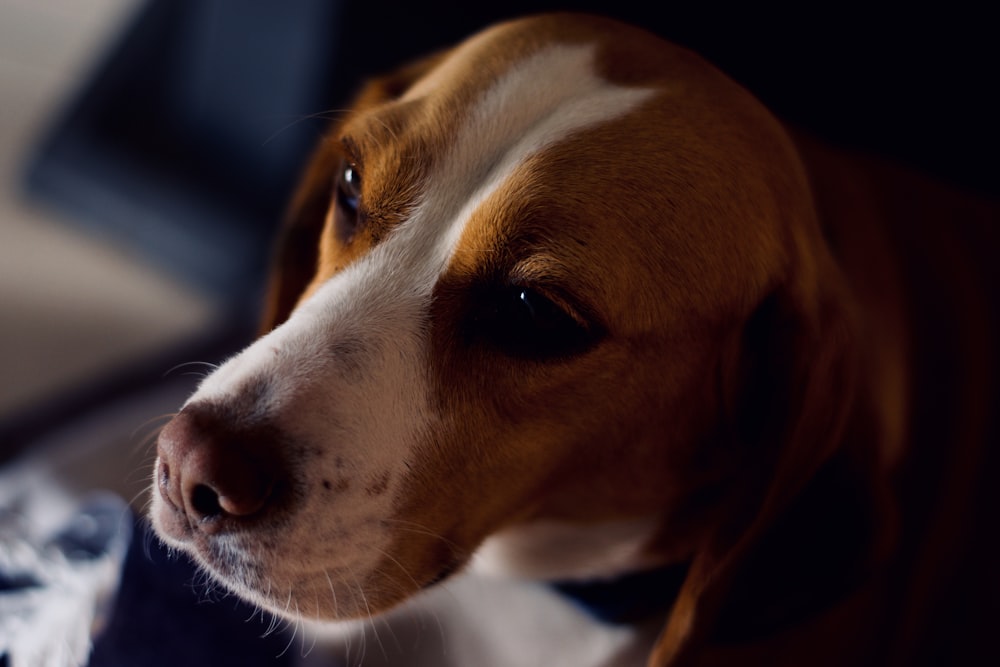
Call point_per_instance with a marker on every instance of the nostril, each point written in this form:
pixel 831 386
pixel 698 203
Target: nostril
pixel 214 475
pixel 205 502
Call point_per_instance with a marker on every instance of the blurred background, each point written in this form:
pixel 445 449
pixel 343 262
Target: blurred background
pixel 147 148
pixel 76 305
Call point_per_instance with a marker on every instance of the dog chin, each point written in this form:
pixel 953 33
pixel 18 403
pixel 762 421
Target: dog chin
pixel 319 597
pixel 338 593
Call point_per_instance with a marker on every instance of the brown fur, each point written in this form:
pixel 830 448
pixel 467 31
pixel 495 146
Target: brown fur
pixel 798 373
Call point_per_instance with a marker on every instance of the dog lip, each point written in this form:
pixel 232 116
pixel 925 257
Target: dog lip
pixel 443 573
pixel 178 531
pixel 172 523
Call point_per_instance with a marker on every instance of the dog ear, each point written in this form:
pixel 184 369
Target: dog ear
pixel 296 246
pixel 798 526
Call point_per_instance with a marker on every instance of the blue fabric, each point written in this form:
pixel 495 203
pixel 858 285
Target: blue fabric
pixel 629 598
pixel 166 615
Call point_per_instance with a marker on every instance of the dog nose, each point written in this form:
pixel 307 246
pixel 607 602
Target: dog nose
pixel 211 472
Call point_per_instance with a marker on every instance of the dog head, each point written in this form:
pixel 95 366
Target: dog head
pixel 564 279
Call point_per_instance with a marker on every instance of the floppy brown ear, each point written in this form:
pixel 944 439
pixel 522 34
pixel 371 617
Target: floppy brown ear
pixel 296 249
pixel 798 528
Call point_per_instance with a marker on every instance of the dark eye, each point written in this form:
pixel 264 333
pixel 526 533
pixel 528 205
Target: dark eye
pixel 348 197
pixel 523 322
pixel 349 187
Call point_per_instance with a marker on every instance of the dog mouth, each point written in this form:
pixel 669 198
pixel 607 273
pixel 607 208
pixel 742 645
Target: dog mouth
pixel 344 571
pixel 444 573
pixel 298 545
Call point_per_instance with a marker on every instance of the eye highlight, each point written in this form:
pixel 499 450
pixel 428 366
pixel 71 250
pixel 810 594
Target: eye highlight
pixel 349 187
pixel 348 200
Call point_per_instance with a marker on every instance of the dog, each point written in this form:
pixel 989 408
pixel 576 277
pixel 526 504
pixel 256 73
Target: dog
pixel 565 303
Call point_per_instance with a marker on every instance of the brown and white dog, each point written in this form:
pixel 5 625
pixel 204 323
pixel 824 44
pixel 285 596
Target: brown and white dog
pixel 566 302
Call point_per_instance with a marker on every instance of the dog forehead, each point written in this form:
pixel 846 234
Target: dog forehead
pixel 535 103
pixel 503 61
pixel 523 110
pixel 530 104
pixel 526 107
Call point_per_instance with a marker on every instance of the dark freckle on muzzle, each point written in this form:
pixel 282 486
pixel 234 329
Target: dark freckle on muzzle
pixel 379 485
pixel 339 486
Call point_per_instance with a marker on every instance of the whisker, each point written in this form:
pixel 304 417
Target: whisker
pixel 333 590
pixel 387 128
pixel 288 602
pixel 328 115
pixel 275 620
pixel 135 432
pixel 299 626
pixel 209 366
pixel 368 610
pixel 147 540
pixel 143 510
pixel 402 590
pixel 143 474
pixel 336 611
pixel 420 529
pixel 295 627
pixel 312 632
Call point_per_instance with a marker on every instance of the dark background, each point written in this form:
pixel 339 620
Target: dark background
pixel 204 112
pixel 188 138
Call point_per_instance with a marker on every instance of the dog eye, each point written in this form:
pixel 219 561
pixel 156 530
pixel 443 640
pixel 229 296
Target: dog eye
pixel 349 188
pixel 523 322
pixel 348 198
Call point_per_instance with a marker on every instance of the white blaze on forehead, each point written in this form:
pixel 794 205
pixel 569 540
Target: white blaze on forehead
pixel 376 306
pixel 540 100
pixel 374 310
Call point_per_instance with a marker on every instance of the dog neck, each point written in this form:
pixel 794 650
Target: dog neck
pixel 557 551
pixel 604 569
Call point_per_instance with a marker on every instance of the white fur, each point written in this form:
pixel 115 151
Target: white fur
pixel 346 374
pixel 548 550
pixel 484 622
